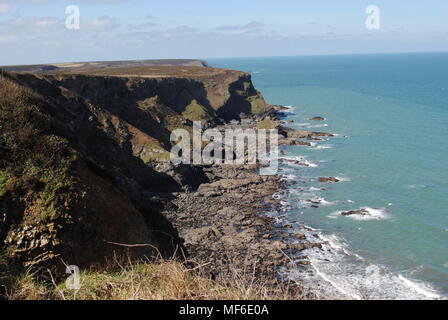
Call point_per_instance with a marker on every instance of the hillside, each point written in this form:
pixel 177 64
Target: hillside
pixel 85 66
pixel 79 155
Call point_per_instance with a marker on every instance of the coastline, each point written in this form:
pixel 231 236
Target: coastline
pixel 236 223
pixel 235 220
pixel 242 225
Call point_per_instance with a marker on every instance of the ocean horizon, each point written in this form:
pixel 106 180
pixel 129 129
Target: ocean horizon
pixel 388 114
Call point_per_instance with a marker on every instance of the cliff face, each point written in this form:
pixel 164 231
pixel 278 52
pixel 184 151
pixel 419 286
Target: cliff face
pixel 76 162
pixel 142 111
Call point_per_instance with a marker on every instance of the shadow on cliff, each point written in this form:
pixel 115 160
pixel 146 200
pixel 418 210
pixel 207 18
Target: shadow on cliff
pixel 115 159
pixel 238 102
pixel 72 192
pixel 122 97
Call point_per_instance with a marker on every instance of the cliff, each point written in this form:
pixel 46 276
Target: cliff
pixel 77 152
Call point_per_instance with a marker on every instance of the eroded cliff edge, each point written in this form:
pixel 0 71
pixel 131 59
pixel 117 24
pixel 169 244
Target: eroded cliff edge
pixel 77 175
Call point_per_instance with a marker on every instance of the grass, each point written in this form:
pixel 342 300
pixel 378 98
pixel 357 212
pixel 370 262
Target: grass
pixel 3 179
pixel 196 112
pixel 267 124
pixel 257 103
pixel 152 71
pixel 162 280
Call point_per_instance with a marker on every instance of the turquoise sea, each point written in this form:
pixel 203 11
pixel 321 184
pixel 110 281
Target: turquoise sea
pixel 390 114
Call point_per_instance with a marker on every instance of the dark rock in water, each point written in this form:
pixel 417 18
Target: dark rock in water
pixel 317 119
pixel 290 142
pixel 362 212
pixel 329 180
pixel 300 134
pixel 303 143
pixel 305 246
pixel 300 236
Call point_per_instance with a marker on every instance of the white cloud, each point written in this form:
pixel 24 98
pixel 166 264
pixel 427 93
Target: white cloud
pixel 4 7
pixel 250 26
pixel 46 22
pixel 100 24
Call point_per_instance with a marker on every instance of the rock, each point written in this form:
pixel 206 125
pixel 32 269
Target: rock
pixel 318 119
pixel 300 236
pixel 189 177
pixel 362 212
pixel 329 180
pixel 286 142
pixel 300 134
pixel 267 236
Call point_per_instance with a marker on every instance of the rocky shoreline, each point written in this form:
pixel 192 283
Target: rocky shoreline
pixel 231 223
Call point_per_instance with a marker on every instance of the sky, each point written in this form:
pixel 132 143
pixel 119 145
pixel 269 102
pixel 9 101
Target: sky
pixel 35 31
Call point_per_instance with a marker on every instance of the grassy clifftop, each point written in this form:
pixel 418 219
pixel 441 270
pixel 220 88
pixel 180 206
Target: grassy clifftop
pixel 52 68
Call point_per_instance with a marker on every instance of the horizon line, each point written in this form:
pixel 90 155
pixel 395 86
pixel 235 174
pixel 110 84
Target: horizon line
pixel 237 57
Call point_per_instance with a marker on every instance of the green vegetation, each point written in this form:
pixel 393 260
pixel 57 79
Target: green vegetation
pixel 196 112
pixel 3 179
pixel 267 124
pixel 37 161
pixel 257 103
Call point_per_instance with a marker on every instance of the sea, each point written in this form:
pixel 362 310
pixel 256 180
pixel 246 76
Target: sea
pixel 389 114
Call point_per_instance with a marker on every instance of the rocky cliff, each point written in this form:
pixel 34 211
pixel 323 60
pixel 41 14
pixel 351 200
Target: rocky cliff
pixel 78 180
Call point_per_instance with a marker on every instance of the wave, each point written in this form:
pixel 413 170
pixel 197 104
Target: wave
pixel 318 201
pixel 341 273
pixel 298 161
pixel 421 288
pixel 416 186
pixel 323 125
pixel 321 147
pixel 289 177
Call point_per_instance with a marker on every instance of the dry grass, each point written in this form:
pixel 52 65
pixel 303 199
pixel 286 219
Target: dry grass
pixel 154 72
pixel 267 124
pixel 164 280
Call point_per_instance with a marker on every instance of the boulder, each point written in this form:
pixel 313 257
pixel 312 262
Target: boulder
pixel 329 180
pixel 362 212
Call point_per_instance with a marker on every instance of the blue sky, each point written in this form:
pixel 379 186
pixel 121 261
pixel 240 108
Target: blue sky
pixel 33 31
